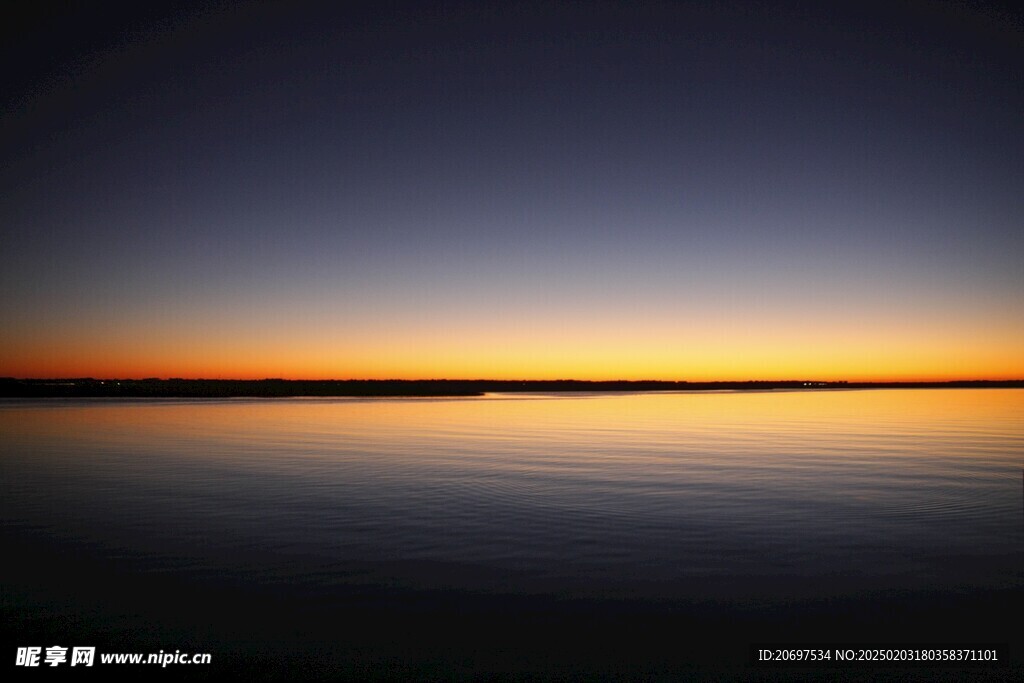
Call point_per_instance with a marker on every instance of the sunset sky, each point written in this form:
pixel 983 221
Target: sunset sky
pixel 679 191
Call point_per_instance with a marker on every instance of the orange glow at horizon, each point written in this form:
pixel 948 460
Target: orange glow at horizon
pixel 668 351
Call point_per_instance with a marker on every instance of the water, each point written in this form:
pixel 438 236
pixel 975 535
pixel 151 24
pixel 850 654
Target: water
pixel 466 537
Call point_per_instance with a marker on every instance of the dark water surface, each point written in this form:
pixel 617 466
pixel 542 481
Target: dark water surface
pixel 638 536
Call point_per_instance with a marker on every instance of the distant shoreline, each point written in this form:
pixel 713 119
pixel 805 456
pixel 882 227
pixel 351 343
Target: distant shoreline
pixel 281 388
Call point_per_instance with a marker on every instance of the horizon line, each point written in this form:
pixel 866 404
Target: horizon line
pixel 83 378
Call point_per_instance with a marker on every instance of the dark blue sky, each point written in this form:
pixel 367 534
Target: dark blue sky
pixel 318 176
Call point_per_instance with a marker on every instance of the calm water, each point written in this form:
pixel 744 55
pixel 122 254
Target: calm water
pixel 387 536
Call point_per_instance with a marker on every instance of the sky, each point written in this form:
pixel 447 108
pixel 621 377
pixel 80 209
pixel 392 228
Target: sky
pixel 589 190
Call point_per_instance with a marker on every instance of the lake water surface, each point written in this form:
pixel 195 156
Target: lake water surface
pixel 485 536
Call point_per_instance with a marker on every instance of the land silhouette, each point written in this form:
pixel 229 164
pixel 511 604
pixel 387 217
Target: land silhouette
pixel 282 388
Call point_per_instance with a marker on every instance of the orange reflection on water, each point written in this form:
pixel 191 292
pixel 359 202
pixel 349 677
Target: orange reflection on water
pixel 714 424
